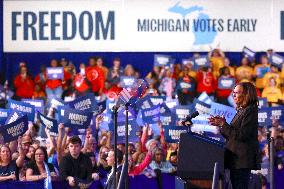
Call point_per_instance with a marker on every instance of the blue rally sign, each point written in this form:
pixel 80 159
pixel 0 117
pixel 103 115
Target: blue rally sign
pixel 12 131
pixel 55 73
pixel 22 107
pixel 151 115
pixel 4 113
pixel 220 109
pixel 172 133
pixel 87 102
pixel 226 83
pixel 49 123
pixel 75 118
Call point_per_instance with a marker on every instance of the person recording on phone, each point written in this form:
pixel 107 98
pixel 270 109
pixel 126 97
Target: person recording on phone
pixel 241 148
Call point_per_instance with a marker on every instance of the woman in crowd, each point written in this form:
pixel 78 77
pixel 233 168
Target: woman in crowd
pixel 272 92
pixel 37 168
pixel 244 72
pixel 9 169
pixel 24 84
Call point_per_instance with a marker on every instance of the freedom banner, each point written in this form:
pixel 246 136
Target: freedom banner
pixel 172 133
pixel 221 109
pixel 75 118
pixel 13 116
pixel 151 115
pixel 37 103
pixel 4 113
pixel 87 102
pixel 22 107
pixel 49 123
pixel 226 83
pixel 12 131
pixel 55 72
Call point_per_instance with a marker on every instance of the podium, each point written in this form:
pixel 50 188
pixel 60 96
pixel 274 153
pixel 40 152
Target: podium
pixel 196 160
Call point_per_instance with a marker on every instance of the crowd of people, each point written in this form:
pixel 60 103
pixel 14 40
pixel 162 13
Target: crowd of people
pixel 65 157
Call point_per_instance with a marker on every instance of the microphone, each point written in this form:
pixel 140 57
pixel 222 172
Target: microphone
pixel 188 118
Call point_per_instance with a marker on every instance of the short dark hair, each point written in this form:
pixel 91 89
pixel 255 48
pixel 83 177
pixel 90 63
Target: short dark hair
pixel 75 140
pixel 250 94
pixel 119 154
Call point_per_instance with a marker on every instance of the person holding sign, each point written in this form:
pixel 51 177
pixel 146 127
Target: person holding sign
pixel 9 169
pixel 272 92
pixel 225 84
pixel 242 147
pixel 260 70
pixel 24 84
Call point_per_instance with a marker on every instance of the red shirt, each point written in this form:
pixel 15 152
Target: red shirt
pixel 40 79
pixel 96 77
pixel 205 82
pixel 80 83
pixel 24 87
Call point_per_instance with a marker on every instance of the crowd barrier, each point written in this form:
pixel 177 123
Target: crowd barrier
pixel 137 182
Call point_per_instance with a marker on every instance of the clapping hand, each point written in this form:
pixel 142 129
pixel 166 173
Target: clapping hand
pixel 218 121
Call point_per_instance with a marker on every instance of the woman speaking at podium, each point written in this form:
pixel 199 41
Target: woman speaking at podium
pixel 241 149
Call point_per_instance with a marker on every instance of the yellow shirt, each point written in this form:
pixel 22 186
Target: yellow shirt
pixel 192 74
pixel 273 94
pixel 232 71
pixel 217 63
pixel 268 75
pixel 244 73
pixel 259 83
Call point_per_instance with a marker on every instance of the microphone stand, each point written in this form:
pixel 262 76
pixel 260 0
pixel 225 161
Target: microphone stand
pixel 115 111
pixel 126 144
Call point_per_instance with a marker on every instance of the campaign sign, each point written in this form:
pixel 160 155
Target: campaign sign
pixel 223 110
pixel 151 115
pixel 172 133
pixel 276 60
pixel 264 115
pixel 133 130
pixel 182 111
pixel 12 131
pixel 187 61
pixel 155 129
pixel 248 53
pixel 200 122
pixel 75 118
pixel 107 120
pixel 156 100
pixel 22 107
pixel 166 116
pixel 127 82
pixel 4 113
pixel 214 136
pixel 121 116
pixel 201 61
pixel 49 123
pixel 172 103
pixel 87 102
pixel 55 73
pixel 262 103
pixel 201 107
pixel 277 113
pixel 56 103
pixel 205 98
pixel 13 116
pixel 4 93
pixel 188 86
pixel 226 83
pixel 162 60
pixel 144 103
pixel 261 71
pixel 37 103
pixel 110 104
